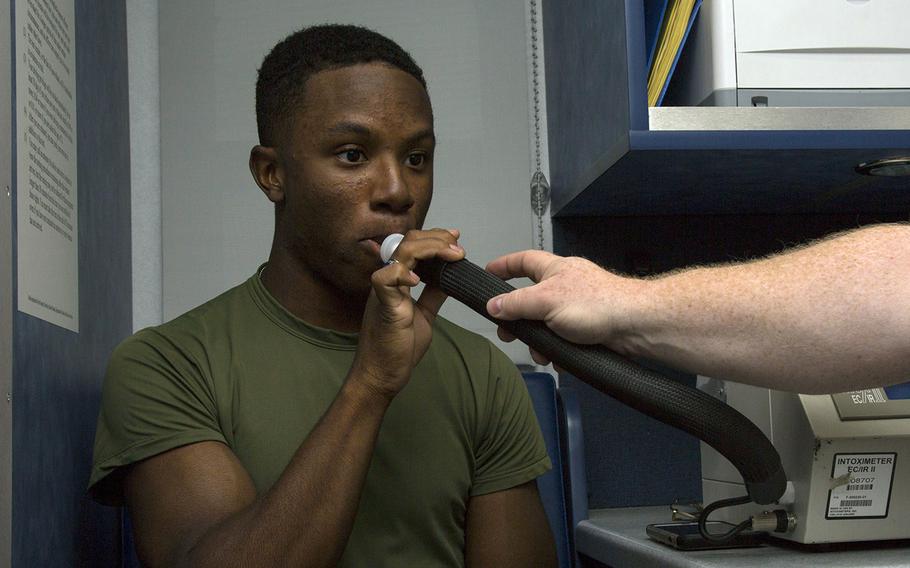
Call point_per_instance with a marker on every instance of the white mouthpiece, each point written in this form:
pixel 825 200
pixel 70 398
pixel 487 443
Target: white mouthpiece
pixel 389 244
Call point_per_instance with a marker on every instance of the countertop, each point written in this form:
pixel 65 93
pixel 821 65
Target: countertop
pixel 617 538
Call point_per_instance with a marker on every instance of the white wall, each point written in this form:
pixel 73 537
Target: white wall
pixel 216 224
pixel 145 161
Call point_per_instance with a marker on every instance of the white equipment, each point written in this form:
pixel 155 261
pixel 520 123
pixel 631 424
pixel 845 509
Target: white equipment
pixel 847 458
pixel 846 53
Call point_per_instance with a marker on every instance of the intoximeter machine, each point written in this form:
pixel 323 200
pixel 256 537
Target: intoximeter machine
pixel 847 459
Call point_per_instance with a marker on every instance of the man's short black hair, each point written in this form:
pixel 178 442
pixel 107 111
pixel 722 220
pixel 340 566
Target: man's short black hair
pixel 284 71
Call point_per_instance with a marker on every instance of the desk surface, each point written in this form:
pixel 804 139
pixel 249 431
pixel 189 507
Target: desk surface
pixel 616 537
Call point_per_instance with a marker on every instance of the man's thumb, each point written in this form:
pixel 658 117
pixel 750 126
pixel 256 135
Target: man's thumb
pixel 501 306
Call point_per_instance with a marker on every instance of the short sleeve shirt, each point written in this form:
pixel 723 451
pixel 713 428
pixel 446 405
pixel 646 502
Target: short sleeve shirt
pixel 243 371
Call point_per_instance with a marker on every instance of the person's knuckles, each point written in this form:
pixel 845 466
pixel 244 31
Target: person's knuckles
pixel 448 233
pixel 386 276
pixel 379 278
pixel 432 248
pixel 410 246
pixel 513 303
pixel 415 236
pixel 388 281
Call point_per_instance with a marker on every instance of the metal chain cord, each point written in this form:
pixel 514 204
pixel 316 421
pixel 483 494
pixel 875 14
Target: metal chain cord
pixel 539 185
pixel 535 81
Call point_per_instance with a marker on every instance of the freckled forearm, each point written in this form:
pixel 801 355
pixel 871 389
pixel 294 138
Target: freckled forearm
pixel 828 317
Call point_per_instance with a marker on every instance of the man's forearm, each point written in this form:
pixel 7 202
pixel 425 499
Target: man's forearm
pixel 824 318
pixel 306 517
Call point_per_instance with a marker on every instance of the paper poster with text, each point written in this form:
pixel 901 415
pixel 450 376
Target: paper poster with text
pixel 46 209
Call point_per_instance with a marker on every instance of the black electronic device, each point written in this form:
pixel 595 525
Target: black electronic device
pixel 684 535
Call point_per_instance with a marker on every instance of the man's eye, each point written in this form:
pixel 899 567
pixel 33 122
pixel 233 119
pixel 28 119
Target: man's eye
pixel 353 156
pixel 416 160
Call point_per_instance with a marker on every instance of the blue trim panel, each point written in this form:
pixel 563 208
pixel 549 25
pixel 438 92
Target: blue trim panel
pixel 587 89
pixel 636 57
pixel 59 373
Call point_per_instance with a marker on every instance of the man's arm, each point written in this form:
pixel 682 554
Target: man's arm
pixel 829 317
pixel 509 529
pixel 196 505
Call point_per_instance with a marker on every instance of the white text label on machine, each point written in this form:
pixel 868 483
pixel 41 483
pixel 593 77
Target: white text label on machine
pixel 866 490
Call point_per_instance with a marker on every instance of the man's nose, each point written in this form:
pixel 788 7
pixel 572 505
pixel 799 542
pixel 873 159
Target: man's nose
pixel 392 190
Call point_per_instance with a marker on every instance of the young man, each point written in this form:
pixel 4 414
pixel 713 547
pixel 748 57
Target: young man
pixel 316 415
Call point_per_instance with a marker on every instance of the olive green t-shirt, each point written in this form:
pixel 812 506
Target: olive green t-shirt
pixel 242 370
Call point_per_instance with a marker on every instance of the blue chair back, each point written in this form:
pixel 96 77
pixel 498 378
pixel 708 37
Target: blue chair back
pixel 128 546
pixel 563 489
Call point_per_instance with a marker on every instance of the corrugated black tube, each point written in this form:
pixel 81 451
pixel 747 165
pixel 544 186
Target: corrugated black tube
pixel 673 403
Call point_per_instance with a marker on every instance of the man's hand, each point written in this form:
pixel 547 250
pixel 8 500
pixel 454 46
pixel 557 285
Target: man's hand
pixel 828 317
pixel 396 330
pixel 575 298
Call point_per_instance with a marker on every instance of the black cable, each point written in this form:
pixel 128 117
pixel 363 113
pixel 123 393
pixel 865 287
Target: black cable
pixel 725 537
pixel 671 402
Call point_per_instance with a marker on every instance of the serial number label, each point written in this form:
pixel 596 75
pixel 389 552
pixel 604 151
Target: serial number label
pixel 866 490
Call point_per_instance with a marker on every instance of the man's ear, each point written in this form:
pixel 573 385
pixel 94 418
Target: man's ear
pixel 268 173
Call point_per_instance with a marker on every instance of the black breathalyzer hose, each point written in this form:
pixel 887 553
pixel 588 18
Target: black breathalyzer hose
pixel 673 403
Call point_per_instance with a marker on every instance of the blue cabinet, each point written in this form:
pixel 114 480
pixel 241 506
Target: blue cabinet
pixel 612 155
pixel 637 192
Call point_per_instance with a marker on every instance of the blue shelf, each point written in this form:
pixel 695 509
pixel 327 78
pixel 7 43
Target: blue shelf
pixel 605 161
pixel 726 175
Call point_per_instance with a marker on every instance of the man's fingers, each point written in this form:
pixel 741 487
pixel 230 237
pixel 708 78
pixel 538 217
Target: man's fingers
pixel 423 245
pixel 524 303
pixel 391 283
pixel 431 299
pixel 504 334
pixel 508 337
pixel 538 358
pixel 528 263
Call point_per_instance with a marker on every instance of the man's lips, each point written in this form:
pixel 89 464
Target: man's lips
pixel 379 237
pixel 372 245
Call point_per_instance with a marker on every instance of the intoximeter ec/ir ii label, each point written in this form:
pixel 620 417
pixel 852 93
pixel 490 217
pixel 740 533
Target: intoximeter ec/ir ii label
pixel 862 486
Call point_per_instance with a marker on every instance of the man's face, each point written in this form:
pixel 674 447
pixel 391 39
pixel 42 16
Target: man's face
pixel 358 165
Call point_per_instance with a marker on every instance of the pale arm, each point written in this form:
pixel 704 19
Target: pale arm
pixel 829 317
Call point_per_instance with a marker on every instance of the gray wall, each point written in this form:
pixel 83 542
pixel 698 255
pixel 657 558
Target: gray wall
pixel 57 374
pixel 145 160
pixel 216 224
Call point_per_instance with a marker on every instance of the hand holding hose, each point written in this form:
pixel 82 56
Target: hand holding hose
pixel 397 330
pixel 577 299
